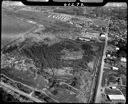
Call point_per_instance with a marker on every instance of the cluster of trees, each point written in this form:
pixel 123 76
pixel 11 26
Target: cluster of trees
pixel 49 56
pixel 9 49
pixel 5 97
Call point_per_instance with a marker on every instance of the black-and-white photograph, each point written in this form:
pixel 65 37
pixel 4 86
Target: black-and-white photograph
pixel 63 54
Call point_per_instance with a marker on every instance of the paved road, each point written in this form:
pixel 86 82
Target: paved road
pixel 98 93
pixel 20 92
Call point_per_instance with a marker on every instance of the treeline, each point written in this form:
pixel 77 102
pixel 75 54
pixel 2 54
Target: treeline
pixel 44 55
pixel 9 49
pixel 47 56
pixel 6 97
pixel 50 56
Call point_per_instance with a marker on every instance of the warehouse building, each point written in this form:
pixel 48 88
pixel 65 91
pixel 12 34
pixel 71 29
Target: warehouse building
pixel 114 95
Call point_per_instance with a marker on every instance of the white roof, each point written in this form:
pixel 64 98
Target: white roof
pixel 123 59
pixel 115 68
pixel 108 55
pixel 117 48
pixel 114 87
pixel 116 97
pixel 102 35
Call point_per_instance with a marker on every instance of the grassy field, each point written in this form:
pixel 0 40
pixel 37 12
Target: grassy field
pixel 42 18
pixel 12 28
pixel 64 96
pixel 25 78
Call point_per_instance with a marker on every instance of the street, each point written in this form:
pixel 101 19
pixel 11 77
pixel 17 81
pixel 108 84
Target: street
pixel 99 87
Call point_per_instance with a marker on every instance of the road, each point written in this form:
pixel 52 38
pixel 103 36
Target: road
pixel 99 86
pixel 20 92
pixel 95 67
pixel 34 89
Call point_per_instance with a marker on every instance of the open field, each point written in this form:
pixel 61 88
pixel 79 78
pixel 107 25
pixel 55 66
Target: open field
pixel 63 95
pixel 25 77
pixel 12 28
pixel 51 24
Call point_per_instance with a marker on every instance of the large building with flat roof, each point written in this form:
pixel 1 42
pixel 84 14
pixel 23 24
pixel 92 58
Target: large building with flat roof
pixel 114 95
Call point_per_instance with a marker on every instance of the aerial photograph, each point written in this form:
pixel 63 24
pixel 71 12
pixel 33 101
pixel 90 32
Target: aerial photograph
pixel 63 54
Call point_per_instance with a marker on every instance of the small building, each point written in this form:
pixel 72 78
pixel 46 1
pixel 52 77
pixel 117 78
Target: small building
pixel 102 35
pixel 108 55
pixel 117 48
pixel 123 59
pixel 114 68
pixel 113 87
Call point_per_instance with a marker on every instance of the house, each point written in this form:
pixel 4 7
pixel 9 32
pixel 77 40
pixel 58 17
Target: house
pixel 113 87
pixel 102 35
pixel 108 55
pixel 123 59
pixel 114 68
pixel 117 48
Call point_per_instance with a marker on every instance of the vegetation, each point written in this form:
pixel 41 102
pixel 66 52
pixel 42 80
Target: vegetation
pixel 9 49
pixel 5 97
pixel 49 56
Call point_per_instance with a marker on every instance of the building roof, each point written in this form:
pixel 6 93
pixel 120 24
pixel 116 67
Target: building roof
pixel 115 68
pixel 123 59
pixel 113 87
pixel 102 35
pixel 117 48
pixel 116 97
